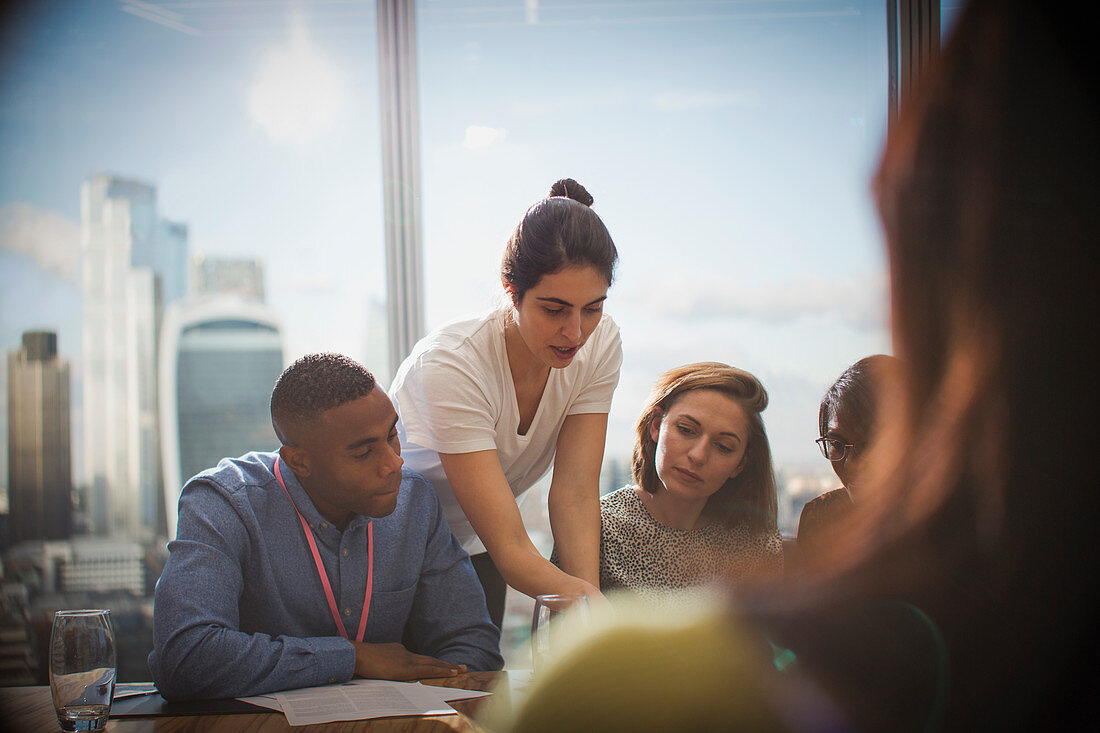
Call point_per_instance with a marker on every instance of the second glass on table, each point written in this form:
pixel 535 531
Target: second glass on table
pixel 546 619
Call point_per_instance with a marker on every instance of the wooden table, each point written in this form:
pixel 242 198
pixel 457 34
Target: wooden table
pixel 30 709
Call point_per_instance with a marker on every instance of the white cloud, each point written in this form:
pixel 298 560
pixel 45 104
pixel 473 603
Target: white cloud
pixel 860 301
pixel 300 93
pixel 479 137
pixel 699 100
pixel 46 237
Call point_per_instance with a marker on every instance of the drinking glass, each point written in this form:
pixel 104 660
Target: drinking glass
pixel 547 618
pixel 82 668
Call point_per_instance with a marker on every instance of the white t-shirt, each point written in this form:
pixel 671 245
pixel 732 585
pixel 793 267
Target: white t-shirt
pixel 455 394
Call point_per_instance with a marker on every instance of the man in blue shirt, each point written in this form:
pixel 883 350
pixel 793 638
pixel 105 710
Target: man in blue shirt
pixel 319 562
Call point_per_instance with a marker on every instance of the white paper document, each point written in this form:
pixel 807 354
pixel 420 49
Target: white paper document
pixel 361 699
pixel 133 689
pixel 454 694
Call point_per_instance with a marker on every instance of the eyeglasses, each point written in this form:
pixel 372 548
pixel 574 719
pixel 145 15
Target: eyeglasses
pixel 835 450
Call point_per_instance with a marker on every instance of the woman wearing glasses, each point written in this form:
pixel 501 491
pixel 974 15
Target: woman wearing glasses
pixel 846 420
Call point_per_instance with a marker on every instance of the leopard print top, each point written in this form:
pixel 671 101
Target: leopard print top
pixel 640 554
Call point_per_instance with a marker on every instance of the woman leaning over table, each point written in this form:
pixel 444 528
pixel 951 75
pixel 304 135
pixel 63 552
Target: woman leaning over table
pixel 488 404
pixel 703 505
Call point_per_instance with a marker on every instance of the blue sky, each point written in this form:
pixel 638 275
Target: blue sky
pixel 728 146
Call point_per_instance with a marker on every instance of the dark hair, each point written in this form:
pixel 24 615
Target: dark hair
pixel 989 208
pixel 559 231
pixel 313 384
pixel 854 397
pixel 751 495
pixel 986 507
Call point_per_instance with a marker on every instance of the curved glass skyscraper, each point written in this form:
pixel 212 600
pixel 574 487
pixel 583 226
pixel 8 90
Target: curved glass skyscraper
pixel 219 359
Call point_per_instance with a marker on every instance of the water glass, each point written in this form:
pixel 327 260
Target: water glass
pixel 82 668
pixel 547 618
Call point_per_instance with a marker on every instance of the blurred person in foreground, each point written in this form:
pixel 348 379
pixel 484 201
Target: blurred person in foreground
pixel 977 559
pixel 319 562
pixel 703 505
pixel 847 425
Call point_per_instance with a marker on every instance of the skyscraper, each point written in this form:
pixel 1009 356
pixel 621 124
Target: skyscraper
pixel 131 262
pixel 40 481
pixel 219 359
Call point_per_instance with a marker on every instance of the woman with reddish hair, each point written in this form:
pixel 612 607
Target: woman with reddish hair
pixel 703 503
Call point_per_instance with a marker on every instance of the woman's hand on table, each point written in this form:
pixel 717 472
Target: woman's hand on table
pixel 395 662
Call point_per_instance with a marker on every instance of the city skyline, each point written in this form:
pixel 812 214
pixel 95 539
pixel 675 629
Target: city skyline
pixel 729 145
pixel 729 151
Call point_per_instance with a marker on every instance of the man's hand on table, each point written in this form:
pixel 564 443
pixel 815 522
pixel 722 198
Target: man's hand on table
pixel 395 662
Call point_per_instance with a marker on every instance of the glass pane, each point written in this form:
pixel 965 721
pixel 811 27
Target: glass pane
pixel 728 146
pixel 154 156
pixel 249 132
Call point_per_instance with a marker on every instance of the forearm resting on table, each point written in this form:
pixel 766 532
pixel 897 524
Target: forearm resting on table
pixel 213 662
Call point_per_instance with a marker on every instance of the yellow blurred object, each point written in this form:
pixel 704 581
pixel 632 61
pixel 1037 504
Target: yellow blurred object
pixel 681 667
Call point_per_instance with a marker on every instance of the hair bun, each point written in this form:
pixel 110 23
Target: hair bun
pixel 571 189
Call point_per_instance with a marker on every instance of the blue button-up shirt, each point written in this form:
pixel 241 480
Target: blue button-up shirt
pixel 240 609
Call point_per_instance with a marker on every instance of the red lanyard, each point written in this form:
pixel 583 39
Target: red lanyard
pixel 321 567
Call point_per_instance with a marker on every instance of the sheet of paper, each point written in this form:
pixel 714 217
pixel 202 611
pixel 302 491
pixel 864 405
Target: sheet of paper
pixel 264 701
pixel 356 700
pixel 132 689
pixel 454 694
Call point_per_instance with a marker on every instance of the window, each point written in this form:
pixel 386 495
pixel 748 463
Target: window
pixel 241 135
pixel 728 146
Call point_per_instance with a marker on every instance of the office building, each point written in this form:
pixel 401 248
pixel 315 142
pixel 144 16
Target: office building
pixel 39 459
pixel 219 359
pixel 101 565
pixel 132 263
pixel 80 565
pixel 227 276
